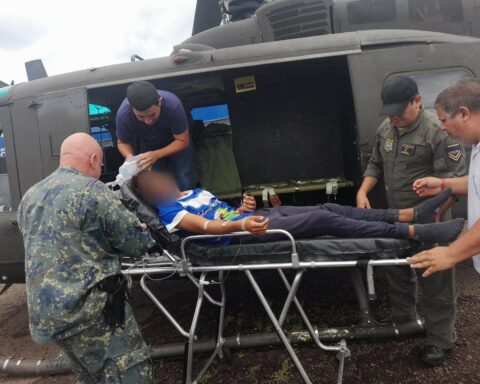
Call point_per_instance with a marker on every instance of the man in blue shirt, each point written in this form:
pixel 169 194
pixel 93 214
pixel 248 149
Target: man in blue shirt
pixel 199 211
pixel 153 124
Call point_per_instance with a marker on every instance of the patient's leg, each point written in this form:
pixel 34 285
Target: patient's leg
pixel 322 222
pixel 386 215
pixel 422 213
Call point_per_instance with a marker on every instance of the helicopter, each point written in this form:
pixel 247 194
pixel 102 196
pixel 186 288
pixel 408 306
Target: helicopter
pixel 286 90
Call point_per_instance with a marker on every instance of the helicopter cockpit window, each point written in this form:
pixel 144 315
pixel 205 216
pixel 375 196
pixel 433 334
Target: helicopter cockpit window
pixel 431 83
pixel 371 11
pixel 436 10
pixel 5 202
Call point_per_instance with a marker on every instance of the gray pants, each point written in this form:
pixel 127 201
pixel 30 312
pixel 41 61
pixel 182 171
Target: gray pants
pixel 437 298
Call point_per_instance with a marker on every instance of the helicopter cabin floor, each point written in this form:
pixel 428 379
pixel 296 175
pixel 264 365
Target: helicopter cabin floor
pixel 385 361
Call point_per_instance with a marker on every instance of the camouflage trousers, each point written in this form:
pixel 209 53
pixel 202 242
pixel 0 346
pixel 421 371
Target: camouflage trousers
pixel 105 355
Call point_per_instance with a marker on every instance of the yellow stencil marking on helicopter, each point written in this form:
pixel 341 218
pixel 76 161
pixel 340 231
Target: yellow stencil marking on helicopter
pixel 245 84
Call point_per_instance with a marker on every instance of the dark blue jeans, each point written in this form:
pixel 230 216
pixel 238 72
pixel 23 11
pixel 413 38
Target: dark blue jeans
pixel 335 220
pixel 180 166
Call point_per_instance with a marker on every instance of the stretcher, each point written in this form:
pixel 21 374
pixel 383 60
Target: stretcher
pixel 189 259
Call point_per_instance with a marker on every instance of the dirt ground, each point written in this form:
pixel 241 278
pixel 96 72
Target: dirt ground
pixel 329 301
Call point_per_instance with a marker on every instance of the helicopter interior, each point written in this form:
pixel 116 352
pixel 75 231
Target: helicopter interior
pixel 289 126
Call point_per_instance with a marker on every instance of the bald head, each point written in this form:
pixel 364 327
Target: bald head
pixel 82 152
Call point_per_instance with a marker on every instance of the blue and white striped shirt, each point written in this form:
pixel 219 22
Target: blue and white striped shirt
pixel 201 203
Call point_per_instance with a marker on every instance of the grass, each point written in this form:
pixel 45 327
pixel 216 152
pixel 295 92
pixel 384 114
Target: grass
pixel 209 375
pixel 285 374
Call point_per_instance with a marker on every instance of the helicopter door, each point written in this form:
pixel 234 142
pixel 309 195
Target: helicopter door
pixel 59 114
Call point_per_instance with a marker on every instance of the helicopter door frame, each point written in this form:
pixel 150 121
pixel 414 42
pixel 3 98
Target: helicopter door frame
pixel 367 83
pixel 59 114
pixel 11 262
pixel 12 174
pixel 409 60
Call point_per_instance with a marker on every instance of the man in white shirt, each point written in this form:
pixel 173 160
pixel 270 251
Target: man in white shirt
pixel 458 109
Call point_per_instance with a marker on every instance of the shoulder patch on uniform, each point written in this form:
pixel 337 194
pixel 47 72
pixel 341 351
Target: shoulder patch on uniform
pixel 389 145
pixel 454 152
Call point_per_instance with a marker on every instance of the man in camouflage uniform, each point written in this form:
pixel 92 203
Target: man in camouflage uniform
pixel 411 145
pixel 75 230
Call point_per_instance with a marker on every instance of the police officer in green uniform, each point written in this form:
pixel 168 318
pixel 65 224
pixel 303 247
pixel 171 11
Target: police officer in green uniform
pixel 75 230
pixel 411 145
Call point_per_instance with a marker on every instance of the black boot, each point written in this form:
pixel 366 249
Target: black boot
pixel 433 355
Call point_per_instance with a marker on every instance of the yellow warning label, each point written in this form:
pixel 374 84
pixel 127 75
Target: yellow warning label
pixel 245 84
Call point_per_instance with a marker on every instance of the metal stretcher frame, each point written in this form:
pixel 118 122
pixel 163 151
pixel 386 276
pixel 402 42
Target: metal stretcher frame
pixel 184 267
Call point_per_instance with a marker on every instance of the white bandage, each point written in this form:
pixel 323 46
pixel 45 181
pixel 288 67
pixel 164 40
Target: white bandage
pixel 243 225
pixel 205 226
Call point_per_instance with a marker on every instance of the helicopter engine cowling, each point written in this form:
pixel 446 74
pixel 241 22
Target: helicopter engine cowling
pixel 276 20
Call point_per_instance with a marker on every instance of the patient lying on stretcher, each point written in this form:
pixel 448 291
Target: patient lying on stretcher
pixel 200 212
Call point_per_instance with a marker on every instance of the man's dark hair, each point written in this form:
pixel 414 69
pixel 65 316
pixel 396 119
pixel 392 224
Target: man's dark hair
pixel 141 95
pixel 465 93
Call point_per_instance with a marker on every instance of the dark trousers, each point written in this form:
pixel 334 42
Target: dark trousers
pixel 335 220
pixel 179 166
pixel 437 297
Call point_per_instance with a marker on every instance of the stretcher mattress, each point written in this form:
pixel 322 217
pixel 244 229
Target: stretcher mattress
pixel 320 249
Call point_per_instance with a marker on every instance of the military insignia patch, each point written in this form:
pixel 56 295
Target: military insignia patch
pixel 388 145
pixel 454 152
pixel 407 149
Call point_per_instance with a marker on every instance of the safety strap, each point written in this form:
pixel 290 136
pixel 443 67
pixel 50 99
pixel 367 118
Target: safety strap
pixel 363 264
pixel 332 188
pixel 270 197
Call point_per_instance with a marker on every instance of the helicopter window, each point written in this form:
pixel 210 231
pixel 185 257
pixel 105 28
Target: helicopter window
pixel 100 123
pixel 211 114
pixel 204 116
pixel 371 11
pixel 3 153
pixel 4 185
pixel 431 83
pixel 436 10
pixel 102 129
